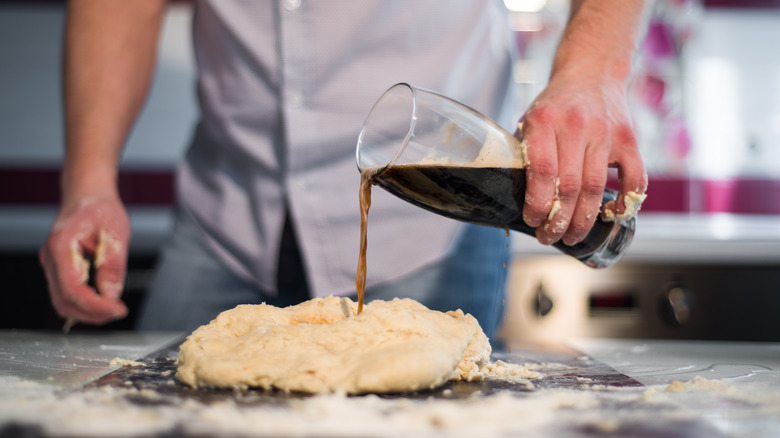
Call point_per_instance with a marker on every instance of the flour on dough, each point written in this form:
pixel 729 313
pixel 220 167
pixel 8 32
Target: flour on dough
pixel 321 345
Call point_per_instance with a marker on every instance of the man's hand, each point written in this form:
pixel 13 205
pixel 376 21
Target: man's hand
pixel 575 130
pixel 85 260
pixel 580 125
pixel 108 62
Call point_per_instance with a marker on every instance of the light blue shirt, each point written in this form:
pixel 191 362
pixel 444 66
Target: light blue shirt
pixel 284 88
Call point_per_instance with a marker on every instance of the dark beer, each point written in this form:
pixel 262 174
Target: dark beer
pixel 491 196
pixel 485 195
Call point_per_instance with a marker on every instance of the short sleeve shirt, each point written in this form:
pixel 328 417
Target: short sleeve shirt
pixel 284 87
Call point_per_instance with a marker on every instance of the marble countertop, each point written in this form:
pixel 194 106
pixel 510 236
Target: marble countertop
pixel 65 385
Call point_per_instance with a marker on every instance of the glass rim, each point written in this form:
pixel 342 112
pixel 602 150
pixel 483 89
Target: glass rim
pixel 410 130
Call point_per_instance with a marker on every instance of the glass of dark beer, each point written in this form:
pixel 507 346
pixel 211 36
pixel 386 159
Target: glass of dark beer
pixel 445 157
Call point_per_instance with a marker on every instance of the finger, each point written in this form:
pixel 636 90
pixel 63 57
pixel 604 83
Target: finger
pixel 110 265
pixel 67 273
pixel 84 305
pixel 571 147
pixel 50 272
pixel 542 166
pixel 63 307
pixel 65 267
pixel 631 176
pixel 594 179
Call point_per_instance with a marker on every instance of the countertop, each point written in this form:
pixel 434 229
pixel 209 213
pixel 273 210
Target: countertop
pixel 65 385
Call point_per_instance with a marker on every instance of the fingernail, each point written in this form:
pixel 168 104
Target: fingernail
pixel 569 241
pixel 534 223
pixel 112 290
pixel 545 240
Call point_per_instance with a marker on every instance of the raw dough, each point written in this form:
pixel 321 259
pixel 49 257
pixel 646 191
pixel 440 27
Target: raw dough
pixel 632 201
pixel 321 345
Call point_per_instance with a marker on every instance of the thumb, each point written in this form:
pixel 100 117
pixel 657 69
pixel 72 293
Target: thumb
pixel 110 265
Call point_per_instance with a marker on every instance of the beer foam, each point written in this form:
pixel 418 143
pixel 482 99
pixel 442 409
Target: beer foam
pixel 501 149
pixel 498 149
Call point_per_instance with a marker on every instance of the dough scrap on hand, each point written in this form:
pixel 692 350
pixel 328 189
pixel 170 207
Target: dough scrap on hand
pixel 321 345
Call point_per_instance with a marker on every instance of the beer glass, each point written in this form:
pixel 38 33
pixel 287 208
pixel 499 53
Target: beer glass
pixel 445 157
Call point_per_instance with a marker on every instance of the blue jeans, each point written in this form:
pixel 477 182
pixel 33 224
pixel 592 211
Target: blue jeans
pixel 192 286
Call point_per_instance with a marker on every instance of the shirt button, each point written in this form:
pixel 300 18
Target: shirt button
pixel 295 98
pixel 292 5
pixel 298 182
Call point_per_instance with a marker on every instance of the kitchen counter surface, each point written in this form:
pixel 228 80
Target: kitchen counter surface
pixel 691 238
pixel 65 385
pixel 72 361
pixel 736 384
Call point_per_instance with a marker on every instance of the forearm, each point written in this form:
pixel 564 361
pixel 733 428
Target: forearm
pixel 579 125
pixel 600 39
pixel 109 56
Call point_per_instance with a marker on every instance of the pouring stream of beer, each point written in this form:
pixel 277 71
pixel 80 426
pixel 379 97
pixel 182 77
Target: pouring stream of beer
pixel 366 179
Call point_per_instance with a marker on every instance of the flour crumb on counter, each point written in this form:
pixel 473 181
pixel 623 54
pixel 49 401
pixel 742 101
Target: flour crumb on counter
pixel 119 362
pixel 676 386
pixel 753 397
pixel 548 366
pixel 515 373
pixel 701 384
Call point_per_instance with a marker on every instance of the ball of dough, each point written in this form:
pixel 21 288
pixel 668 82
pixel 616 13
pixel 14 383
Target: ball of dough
pixel 322 346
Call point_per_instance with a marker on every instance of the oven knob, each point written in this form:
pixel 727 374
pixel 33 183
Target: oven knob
pixel 543 303
pixel 676 304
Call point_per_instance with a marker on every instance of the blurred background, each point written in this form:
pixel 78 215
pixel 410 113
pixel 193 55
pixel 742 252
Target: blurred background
pixel 705 97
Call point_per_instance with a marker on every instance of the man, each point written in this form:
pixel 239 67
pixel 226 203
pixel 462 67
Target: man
pixel 268 190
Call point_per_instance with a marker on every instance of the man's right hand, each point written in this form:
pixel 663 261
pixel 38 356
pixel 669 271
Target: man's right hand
pixel 85 259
